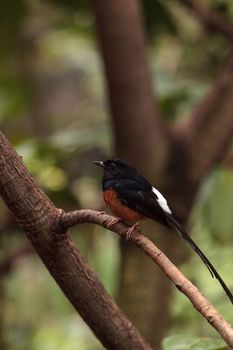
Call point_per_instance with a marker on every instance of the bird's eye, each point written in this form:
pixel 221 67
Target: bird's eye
pixel 113 165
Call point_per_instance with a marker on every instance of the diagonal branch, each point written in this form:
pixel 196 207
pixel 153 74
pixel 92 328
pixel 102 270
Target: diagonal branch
pixel 207 134
pixel 210 19
pixel 173 273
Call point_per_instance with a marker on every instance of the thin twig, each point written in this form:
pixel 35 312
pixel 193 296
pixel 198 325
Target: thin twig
pixel 202 305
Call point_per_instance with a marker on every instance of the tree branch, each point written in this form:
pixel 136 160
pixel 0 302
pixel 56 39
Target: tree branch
pixel 207 134
pixel 210 19
pixel 181 282
pixel 39 218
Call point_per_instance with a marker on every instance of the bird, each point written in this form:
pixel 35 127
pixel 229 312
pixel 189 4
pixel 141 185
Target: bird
pixel 131 197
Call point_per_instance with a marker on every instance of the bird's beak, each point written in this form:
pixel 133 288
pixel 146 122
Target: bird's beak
pixel 98 163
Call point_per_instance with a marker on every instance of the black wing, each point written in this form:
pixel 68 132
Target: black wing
pixel 144 202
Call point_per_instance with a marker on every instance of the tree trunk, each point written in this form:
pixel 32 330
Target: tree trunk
pixel 119 25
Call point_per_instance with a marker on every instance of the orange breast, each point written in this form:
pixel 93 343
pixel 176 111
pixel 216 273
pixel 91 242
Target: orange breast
pixel 120 210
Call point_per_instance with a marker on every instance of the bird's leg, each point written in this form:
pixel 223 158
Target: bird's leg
pixel 113 221
pixel 130 231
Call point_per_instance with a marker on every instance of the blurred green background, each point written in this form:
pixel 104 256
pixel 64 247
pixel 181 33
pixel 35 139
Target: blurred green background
pixel 53 109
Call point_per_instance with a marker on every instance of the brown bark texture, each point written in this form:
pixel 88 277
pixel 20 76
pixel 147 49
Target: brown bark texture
pixel 40 220
pixel 176 159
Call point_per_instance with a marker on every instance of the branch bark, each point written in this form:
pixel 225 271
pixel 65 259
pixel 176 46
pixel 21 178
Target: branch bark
pixel 39 218
pixel 210 19
pixel 202 305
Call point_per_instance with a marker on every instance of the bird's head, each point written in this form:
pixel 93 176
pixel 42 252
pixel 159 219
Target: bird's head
pixel 116 168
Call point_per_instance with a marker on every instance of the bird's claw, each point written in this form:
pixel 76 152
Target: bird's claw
pixel 129 232
pixel 113 221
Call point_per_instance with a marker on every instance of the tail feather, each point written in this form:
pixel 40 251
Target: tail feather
pixel 176 225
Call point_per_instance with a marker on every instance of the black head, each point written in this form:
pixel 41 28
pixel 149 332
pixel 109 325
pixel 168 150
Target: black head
pixel 116 168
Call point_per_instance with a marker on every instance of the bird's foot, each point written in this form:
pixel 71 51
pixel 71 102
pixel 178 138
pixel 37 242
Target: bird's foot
pixel 129 232
pixel 113 221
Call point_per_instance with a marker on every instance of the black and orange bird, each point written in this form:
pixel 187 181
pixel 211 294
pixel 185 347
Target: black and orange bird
pixel 131 197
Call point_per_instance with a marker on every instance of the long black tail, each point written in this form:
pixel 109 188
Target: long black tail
pixel 176 225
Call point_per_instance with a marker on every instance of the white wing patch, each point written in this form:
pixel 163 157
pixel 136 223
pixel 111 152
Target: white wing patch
pixel 162 201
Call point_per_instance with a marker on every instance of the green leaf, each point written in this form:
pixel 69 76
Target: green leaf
pixel 187 342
